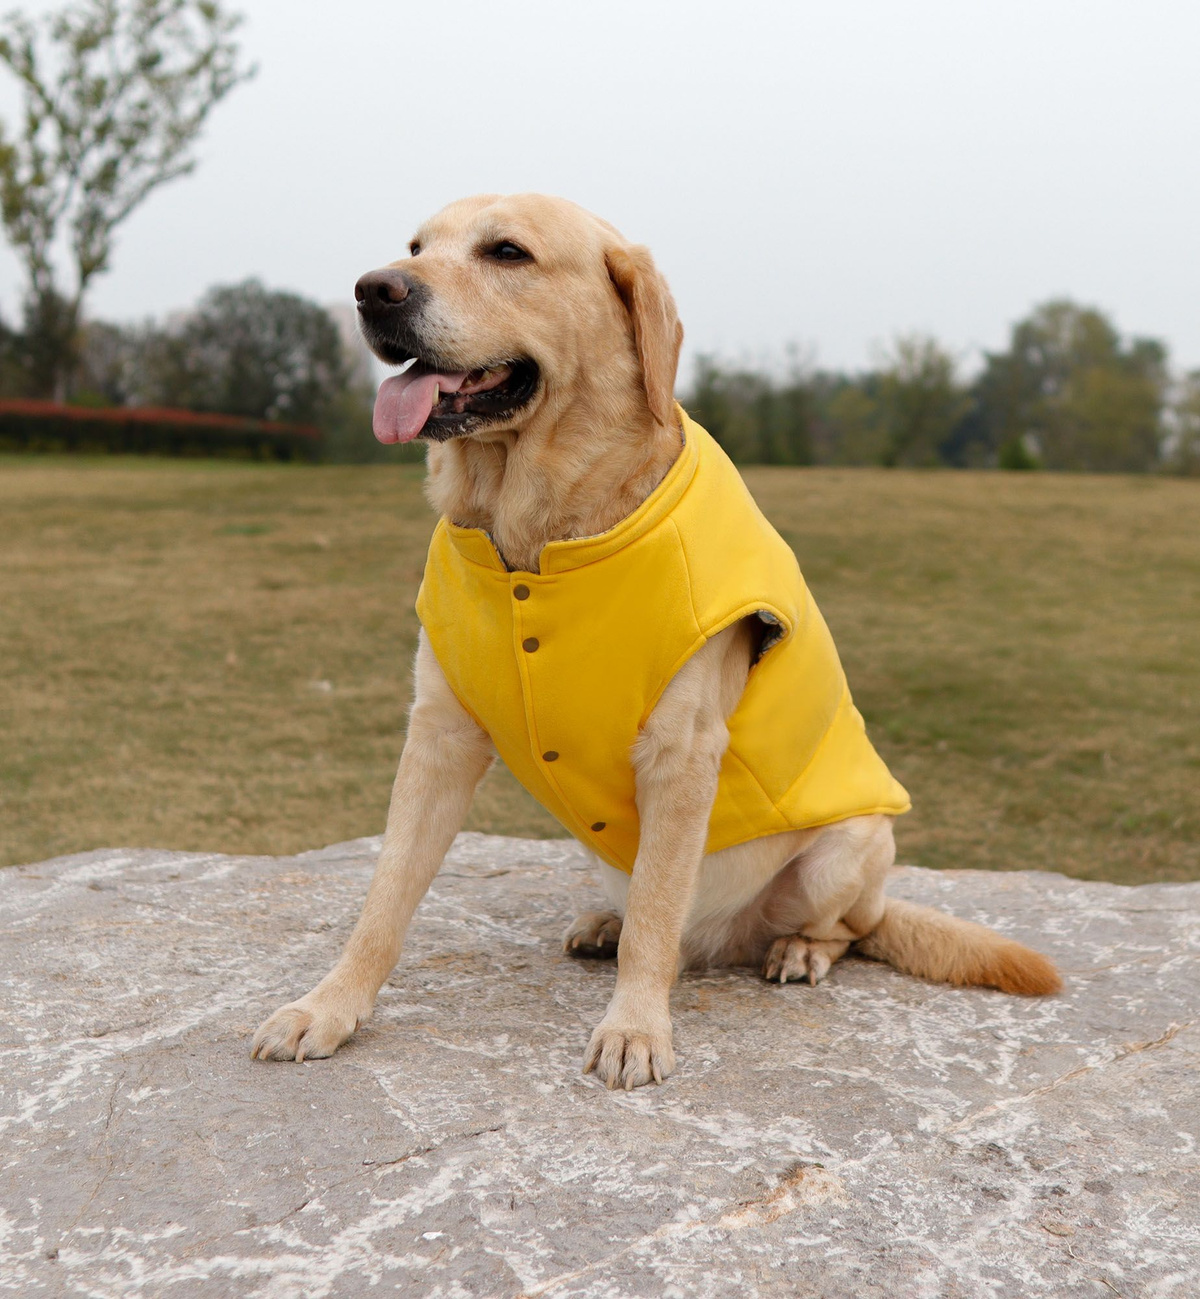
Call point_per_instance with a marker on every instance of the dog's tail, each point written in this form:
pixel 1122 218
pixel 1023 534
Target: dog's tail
pixel 933 945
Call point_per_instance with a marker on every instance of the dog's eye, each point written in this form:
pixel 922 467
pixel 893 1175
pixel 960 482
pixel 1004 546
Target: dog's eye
pixel 505 251
pixel 414 248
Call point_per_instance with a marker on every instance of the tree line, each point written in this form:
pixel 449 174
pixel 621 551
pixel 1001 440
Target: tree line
pixel 1068 393
pixel 114 96
pixel 244 350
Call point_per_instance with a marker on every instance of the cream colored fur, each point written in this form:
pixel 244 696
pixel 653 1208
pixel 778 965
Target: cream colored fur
pixel 595 441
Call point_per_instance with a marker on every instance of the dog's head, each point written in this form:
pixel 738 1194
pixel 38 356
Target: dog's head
pixel 511 309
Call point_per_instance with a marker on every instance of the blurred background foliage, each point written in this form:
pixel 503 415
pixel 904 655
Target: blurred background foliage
pixel 1067 393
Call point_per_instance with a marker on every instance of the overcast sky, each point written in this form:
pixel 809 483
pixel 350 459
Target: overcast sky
pixel 821 173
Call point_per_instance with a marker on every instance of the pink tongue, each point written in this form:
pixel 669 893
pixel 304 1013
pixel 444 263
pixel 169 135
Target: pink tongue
pixel 404 401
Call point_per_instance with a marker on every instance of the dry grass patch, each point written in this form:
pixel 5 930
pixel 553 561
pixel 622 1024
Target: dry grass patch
pixel 215 656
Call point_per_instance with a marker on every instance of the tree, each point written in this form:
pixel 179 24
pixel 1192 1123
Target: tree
pixel 247 350
pixel 115 93
pixel 110 363
pixel 757 419
pixel 1184 455
pixel 728 403
pixel 853 421
pixel 920 401
pixel 1069 389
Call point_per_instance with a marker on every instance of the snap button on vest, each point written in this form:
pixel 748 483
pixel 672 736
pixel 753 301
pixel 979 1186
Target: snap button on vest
pixel 530 643
pixel 521 592
pixel 550 755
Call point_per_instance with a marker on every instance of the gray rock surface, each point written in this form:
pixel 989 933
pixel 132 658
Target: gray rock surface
pixel 874 1136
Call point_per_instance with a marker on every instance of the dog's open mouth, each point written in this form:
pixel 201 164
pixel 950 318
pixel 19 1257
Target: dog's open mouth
pixel 439 403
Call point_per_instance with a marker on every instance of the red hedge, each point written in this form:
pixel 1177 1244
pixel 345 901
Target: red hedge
pixel 151 430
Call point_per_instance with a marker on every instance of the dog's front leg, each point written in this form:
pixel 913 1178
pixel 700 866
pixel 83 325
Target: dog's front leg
pixel 444 757
pixel 677 760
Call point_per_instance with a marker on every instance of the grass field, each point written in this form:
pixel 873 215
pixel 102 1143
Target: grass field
pixel 215 656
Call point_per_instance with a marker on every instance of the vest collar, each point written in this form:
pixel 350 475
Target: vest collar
pixel 477 546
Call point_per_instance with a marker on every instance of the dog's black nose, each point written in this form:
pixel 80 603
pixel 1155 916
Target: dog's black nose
pixel 379 290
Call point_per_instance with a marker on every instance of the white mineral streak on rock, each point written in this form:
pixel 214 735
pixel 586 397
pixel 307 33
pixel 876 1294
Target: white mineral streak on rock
pixel 874 1137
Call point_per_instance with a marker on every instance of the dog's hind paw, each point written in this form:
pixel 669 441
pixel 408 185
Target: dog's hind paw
pixel 594 934
pixel 795 957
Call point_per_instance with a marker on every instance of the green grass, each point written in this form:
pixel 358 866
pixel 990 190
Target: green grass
pixel 213 655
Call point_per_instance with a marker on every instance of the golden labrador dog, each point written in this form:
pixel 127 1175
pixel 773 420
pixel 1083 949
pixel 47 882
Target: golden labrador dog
pixel 544 350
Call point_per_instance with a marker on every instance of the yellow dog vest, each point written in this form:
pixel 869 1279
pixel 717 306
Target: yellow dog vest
pixel 562 667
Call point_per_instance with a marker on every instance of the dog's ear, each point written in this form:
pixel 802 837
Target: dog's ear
pixel 656 328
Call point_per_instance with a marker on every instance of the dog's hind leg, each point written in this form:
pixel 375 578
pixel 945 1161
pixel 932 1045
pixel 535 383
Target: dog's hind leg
pixel 827 897
pixel 593 934
pixel 796 957
pixel 831 895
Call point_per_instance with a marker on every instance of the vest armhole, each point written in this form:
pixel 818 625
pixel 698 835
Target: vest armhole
pixel 773 631
pixel 775 624
pixel 774 621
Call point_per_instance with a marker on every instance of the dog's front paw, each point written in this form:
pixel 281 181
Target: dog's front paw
pixel 308 1029
pixel 628 1056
